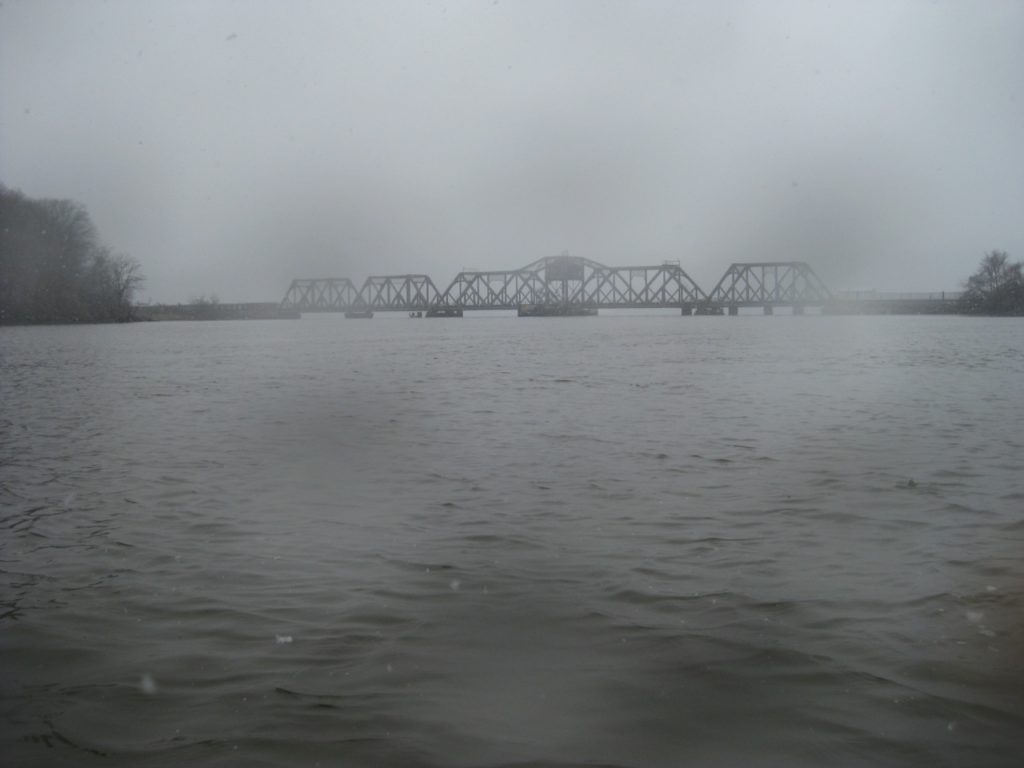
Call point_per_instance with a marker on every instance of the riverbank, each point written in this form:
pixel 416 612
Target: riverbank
pixel 264 310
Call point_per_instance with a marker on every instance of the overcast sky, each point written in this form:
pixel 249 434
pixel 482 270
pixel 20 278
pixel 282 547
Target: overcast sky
pixel 231 146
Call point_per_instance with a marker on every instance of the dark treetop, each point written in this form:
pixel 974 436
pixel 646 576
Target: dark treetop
pixel 53 267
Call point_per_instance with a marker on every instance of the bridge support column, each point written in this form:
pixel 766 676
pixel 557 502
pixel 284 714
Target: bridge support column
pixel 798 309
pixel 769 309
pixel 733 310
pixel 687 311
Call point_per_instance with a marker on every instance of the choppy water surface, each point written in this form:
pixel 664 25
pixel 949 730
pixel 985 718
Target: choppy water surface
pixel 633 541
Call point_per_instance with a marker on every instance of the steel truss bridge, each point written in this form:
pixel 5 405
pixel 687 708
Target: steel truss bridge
pixel 768 285
pixel 566 285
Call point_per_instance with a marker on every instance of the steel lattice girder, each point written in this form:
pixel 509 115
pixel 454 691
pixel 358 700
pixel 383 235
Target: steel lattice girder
pixel 409 293
pixel 496 290
pixel 327 294
pixel 666 285
pixel 768 283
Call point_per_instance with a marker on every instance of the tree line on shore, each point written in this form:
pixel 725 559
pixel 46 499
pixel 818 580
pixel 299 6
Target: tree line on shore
pixel 54 267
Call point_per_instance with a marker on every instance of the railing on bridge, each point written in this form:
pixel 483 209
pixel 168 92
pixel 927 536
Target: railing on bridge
pixel 894 303
pixel 897 296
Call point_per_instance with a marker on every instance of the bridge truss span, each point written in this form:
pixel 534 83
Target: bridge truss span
pixel 565 284
pixel 493 290
pixel 325 294
pixel 666 285
pixel 769 284
pixel 398 293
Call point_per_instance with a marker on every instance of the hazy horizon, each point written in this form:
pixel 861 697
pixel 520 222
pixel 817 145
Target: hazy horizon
pixel 233 146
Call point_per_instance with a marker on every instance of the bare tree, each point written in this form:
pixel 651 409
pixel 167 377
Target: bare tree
pixel 53 267
pixel 126 278
pixel 997 288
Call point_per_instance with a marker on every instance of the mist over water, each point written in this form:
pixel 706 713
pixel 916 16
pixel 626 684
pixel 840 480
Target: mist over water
pixel 635 541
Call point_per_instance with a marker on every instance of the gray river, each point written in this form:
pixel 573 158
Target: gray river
pixel 620 541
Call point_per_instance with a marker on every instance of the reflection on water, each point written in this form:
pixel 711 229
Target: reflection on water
pixel 612 541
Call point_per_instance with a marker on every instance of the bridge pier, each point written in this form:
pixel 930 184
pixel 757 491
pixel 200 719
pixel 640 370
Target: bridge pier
pixel 769 309
pixel 733 310
pixel 686 311
pixel 798 309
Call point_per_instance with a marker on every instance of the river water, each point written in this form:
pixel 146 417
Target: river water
pixel 623 541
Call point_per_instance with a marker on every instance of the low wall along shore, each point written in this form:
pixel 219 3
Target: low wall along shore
pixel 263 310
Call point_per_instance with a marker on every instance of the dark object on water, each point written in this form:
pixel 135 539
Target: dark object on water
pixel 911 483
